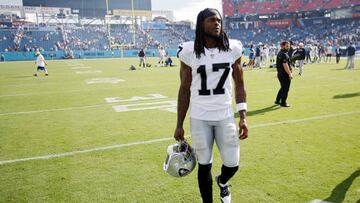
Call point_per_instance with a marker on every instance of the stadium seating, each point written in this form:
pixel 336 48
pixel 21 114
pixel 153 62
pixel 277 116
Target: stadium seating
pixel 95 37
pixel 43 40
pixel 238 7
pixel 7 39
pixel 86 38
pixel 336 31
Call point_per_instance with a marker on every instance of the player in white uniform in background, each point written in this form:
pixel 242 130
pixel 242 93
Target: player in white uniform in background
pixel 315 51
pixel 272 53
pixel 208 66
pixel 265 55
pixel 162 54
pixel 40 64
pixel 262 56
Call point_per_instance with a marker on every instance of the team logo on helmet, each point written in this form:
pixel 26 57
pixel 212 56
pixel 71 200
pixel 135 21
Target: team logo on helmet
pixel 180 160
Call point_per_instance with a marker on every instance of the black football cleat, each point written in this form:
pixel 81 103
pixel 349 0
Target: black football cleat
pixel 225 195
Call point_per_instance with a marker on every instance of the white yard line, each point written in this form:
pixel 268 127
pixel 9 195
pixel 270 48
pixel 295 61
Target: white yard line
pixel 44 93
pixel 305 119
pixel 51 110
pixel 117 146
pixel 86 90
pixel 85 151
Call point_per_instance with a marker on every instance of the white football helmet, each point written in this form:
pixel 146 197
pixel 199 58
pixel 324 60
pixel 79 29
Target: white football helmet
pixel 180 160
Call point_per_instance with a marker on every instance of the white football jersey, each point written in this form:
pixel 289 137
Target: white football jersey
pixel 40 61
pixel 211 87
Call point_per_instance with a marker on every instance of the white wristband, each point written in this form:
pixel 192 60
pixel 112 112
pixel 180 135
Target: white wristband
pixel 241 107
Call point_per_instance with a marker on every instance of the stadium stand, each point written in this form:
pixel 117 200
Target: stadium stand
pixel 250 30
pixel 235 7
pixel 335 31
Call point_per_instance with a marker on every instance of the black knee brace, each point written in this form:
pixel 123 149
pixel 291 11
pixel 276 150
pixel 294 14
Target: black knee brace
pixel 205 182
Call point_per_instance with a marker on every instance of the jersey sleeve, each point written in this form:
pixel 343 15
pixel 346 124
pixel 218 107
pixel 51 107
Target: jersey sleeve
pixel 184 53
pixel 236 48
pixel 284 58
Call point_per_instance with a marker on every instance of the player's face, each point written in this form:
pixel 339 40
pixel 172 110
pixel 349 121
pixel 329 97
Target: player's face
pixel 212 26
pixel 286 47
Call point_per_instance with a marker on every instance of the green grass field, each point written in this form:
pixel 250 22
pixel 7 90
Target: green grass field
pixel 299 154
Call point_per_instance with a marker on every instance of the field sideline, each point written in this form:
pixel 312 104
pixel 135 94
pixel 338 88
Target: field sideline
pixel 93 131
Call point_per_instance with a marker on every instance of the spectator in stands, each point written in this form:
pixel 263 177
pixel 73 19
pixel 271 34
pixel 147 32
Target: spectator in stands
pixel 350 51
pixel 337 53
pixel 142 58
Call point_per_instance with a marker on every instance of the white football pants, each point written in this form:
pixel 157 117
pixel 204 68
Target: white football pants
pixel 224 133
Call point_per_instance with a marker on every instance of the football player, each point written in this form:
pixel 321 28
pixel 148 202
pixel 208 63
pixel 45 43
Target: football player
pixel 162 54
pixel 40 63
pixel 207 66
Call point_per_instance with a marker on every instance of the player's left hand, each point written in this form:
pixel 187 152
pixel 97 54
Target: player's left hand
pixel 243 129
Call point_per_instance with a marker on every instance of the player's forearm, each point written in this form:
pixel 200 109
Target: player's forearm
pixel 240 94
pixel 287 69
pixel 240 97
pixel 183 105
pixel 240 91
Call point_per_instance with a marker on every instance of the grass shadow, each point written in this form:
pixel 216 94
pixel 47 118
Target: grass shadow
pixel 260 111
pixel 338 193
pixel 344 96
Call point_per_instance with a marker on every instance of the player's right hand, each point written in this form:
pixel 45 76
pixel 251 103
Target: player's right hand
pixel 179 134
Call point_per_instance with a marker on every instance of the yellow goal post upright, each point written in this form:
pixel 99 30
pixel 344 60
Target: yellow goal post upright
pixel 112 43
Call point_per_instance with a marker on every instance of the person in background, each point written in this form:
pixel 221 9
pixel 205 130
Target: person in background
pixel 40 63
pixel 337 53
pixel 307 53
pixel 350 51
pixel 162 54
pixel 272 53
pixel 142 58
pixel 328 53
pixel 2 57
pixel 257 56
pixel 251 56
pixel 284 74
pixel 300 54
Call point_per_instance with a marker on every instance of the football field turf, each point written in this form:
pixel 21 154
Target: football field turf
pixel 93 131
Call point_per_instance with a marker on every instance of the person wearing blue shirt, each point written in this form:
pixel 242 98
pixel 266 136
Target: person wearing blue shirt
pixel 350 51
